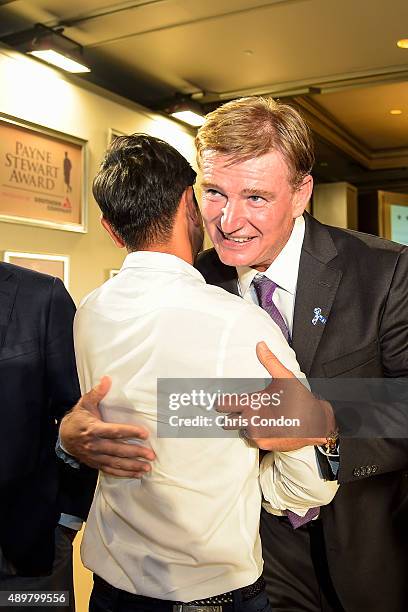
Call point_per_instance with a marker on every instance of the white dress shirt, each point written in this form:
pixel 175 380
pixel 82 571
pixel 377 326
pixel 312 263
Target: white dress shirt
pixel 283 271
pixel 189 529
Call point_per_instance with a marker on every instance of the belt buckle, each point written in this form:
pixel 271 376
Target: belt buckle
pixel 195 608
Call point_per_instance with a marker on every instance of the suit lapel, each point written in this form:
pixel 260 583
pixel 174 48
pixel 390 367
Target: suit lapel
pixel 8 290
pixel 316 289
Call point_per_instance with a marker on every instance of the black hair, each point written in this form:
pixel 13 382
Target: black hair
pixel 139 186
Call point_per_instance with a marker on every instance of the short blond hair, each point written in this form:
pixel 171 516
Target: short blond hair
pixel 251 127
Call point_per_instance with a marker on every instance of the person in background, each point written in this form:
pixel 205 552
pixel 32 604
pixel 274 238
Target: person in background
pixel 43 500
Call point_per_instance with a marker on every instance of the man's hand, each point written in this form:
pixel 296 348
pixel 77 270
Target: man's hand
pixel 295 402
pixel 104 445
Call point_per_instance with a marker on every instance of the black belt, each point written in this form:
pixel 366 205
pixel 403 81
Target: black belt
pixel 217 603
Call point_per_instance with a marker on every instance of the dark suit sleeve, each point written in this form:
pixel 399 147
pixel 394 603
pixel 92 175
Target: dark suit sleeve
pixel 76 486
pixel 391 454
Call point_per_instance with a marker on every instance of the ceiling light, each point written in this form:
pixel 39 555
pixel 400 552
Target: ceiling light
pixel 50 46
pixel 402 43
pixel 189 117
pixel 58 59
pixel 396 111
pixel 185 109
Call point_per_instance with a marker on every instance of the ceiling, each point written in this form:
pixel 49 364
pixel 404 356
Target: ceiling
pixel 337 61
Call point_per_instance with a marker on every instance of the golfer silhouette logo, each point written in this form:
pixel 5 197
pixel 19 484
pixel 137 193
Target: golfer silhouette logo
pixel 67 172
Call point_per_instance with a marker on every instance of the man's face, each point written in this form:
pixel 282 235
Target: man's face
pixel 249 207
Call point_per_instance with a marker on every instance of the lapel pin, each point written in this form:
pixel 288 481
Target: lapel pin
pixel 318 316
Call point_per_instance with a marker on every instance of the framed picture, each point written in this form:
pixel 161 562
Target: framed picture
pixel 55 265
pixel 112 134
pixel 393 216
pixel 113 273
pixel 42 176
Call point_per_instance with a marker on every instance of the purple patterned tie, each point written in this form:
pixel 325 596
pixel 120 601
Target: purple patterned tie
pixel 265 289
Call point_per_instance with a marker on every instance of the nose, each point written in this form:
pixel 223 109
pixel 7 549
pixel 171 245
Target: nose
pixel 233 217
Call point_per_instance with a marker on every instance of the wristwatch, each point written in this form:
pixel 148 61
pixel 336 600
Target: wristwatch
pixel 331 444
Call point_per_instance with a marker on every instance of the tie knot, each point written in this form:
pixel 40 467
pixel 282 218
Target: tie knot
pixel 265 288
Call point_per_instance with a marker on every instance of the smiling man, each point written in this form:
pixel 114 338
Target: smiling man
pixel 255 157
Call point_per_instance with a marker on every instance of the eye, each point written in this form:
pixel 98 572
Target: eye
pixel 256 199
pixel 213 193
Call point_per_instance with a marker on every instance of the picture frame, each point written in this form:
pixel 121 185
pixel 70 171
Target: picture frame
pixel 55 265
pixel 112 134
pixel 393 216
pixel 43 176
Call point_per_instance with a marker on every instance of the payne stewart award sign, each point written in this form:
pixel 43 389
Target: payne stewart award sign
pixel 42 176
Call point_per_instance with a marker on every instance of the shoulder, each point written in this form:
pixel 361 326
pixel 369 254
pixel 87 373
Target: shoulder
pixel 34 288
pixel 365 242
pixel 26 276
pixel 346 239
pixel 354 252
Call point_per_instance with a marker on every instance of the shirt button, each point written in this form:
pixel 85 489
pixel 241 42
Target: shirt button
pixel 356 472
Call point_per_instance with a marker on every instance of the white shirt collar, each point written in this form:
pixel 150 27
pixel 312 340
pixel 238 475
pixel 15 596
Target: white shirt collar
pixel 154 260
pixel 284 269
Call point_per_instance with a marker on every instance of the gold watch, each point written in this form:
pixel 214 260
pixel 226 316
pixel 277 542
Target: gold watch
pixel 330 446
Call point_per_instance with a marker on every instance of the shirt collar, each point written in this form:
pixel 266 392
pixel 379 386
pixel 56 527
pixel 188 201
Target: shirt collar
pixel 284 269
pixel 156 261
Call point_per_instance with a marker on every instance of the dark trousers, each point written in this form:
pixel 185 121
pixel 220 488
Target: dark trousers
pixel 295 570
pixel 61 578
pixel 106 598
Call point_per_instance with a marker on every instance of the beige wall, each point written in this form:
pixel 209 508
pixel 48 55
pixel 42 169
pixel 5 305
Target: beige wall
pixel 37 93
pixel 41 95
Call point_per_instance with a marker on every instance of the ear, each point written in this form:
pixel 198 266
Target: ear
pixel 192 208
pixel 116 239
pixel 302 196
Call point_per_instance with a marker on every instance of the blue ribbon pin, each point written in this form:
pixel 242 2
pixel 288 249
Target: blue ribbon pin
pixel 318 316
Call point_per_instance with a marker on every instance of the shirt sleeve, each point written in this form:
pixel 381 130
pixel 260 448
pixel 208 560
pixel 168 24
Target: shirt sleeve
pixel 71 521
pixel 291 481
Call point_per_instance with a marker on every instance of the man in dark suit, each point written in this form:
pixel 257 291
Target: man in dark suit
pixel 344 298
pixel 341 299
pixel 43 500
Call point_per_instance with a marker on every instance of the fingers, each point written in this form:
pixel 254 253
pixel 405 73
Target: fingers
pixel 123 468
pixel 118 431
pixel 103 387
pixel 117 451
pixel 230 407
pixel 275 368
pixel 90 400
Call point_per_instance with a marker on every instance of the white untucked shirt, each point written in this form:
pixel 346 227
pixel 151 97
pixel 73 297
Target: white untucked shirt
pixel 189 529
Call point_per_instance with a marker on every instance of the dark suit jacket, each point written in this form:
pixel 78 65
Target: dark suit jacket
pixel 361 284
pixel 38 382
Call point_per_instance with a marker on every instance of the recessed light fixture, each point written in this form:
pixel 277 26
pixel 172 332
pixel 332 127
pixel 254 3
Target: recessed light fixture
pixel 49 45
pixel 58 59
pixel 396 111
pixel 189 117
pixel 402 43
pixel 185 109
